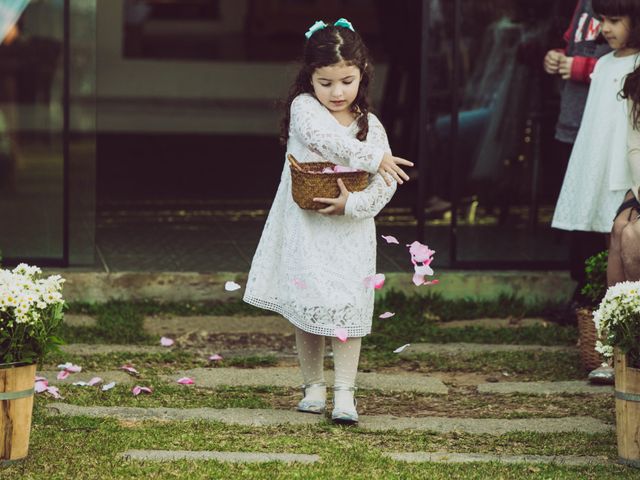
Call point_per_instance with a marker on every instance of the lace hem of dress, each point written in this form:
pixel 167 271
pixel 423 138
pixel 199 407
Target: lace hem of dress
pixel 324 330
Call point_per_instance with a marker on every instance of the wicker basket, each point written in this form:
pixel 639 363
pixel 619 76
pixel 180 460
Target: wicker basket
pixel 587 339
pixel 305 186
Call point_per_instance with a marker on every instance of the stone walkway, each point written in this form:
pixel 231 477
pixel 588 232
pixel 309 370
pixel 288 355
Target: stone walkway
pixel 262 417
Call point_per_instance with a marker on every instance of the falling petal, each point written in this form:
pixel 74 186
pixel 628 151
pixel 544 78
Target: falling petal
pixel 215 357
pixel 387 315
pixel 390 239
pixel 108 386
pixel 423 270
pixel 375 281
pixel 420 252
pixel 402 348
pixel 130 370
pixel 55 393
pixel 63 374
pixel 299 283
pixel 186 381
pixel 432 282
pixel 94 381
pixel 166 342
pixel 418 279
pixel 341 333
pixel 40 386
pixel 231 286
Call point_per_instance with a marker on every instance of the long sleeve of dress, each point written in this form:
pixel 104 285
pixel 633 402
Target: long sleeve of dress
pixel 369 202
pixel 633 154
pixel 321 133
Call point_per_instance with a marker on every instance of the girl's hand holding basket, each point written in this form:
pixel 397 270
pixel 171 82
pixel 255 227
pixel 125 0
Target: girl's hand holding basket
pixel 336 205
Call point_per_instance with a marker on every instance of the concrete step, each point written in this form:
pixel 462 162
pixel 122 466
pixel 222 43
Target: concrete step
pixel 262 417
pixel 450 457
pixel 227 457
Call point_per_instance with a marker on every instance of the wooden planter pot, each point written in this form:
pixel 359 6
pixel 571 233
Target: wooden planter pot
pixel 16 405
pixel 587 335
pixel 627 411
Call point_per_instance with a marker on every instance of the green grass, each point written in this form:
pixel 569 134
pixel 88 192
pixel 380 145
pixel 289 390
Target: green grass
pixel 90 448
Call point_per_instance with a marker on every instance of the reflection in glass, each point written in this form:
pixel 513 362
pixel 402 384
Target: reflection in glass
pixel 31 160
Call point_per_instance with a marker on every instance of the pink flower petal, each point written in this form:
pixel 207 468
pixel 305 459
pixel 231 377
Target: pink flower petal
pixel 231 286
pixel 55 393
pixel 402 348
pixel 390 239
pixel 341 333
pixel 418 279
pixel 70 367
pixel 80 384
pixel 108 386
pixel 186 381
pixel 215 357
pixel 375 281
pixel 299 283
pixel 423 270
pixel 63 374
pixel 432 282
pixel 420 252
pixel 137 390
pixel 387 315
pixel 41 386
pixel 130 370
pixel 166 342
pixel 41 379
pixel 94 381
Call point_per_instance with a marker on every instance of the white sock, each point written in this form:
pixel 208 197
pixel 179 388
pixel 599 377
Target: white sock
pixel 311 356
pixel 346 356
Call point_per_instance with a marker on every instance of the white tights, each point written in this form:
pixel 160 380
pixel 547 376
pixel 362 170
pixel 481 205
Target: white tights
pixel 346 356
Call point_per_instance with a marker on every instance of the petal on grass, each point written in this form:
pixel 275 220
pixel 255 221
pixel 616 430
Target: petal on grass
pixel 387 315
pixel 215 357
pixel 130 370
pixel 166 341
pixel 63 374
pixel 231 286
pixel 341 333
pixel 54 392
pixel 402 348
pixel 41 386
pixel 94 381
pixel 70 367
pixel 186 381
pixel 390 239
pixel 108 386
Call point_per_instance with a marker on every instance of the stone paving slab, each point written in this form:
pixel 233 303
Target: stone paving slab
pixel 446 457
pixel 290 376
pixel 88 349
pixel 545 388
pixel 258 417
pixel 468 348
pixel 271 324
pixel 230 457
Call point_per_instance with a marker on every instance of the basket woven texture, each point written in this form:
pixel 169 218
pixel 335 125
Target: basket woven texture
pixel 587 339
pixel 305 186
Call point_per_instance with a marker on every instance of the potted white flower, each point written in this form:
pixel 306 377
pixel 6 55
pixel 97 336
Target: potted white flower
pixel 617 321
pixel 31 312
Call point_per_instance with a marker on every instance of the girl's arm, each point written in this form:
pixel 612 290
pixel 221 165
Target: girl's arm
pixel 320 133
pixel 633 154
pixel 370 201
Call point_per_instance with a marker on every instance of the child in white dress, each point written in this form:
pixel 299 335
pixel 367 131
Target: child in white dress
pixel 310 266
pixel 598 176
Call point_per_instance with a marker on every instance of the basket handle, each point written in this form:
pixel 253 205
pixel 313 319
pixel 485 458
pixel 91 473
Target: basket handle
pixel 294 163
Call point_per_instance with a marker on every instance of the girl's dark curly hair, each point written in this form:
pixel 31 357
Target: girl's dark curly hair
pixel 331 45
pixel 631 9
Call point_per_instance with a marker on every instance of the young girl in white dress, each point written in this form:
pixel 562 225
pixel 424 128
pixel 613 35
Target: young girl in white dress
pixel 598 174
pixel 310 266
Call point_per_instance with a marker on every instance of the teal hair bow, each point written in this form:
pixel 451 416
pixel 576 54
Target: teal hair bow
pixel 319 25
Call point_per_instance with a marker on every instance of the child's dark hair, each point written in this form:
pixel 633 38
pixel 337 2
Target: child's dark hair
pixel 631 9
pixel 328 46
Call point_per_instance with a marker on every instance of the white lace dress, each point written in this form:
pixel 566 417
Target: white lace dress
pixel 598 174
pixel 309 267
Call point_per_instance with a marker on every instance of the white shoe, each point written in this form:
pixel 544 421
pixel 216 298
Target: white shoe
pixel 312 406
pixel 342 415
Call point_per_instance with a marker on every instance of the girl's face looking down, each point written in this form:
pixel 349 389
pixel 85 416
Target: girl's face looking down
pixel 616 30
pixel 336 86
